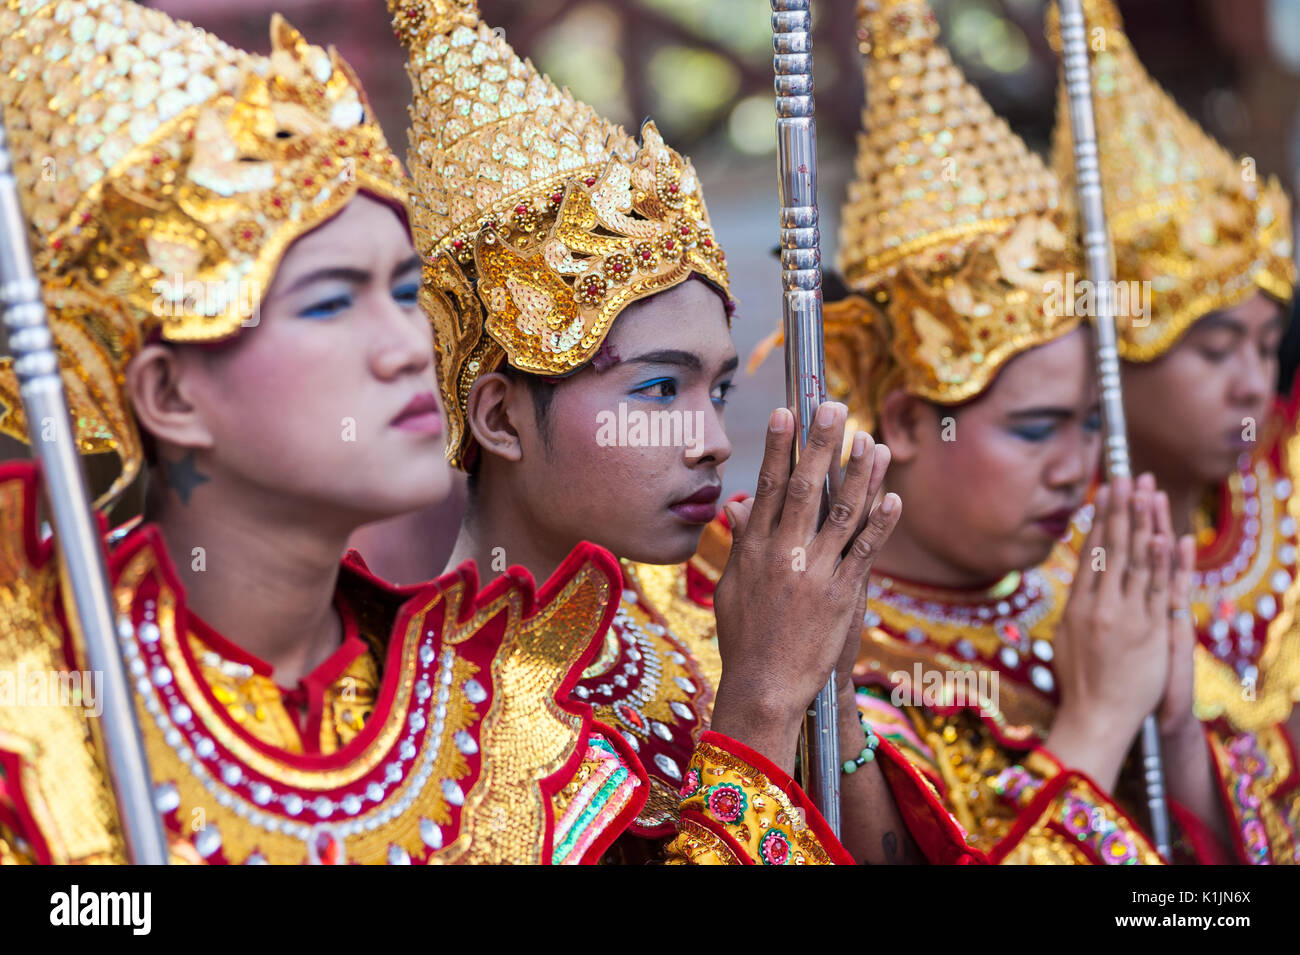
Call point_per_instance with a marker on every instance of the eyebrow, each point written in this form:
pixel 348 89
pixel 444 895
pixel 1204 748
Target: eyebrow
pixel 354 276
pixel 414 262
pixel 1214 323
pixel 667 356
pixel 1044 413
pixel 685 359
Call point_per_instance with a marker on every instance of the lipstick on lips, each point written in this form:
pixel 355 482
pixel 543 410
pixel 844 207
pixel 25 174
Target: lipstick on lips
pixel 1056 523
pixel 420 415
pixel 700 507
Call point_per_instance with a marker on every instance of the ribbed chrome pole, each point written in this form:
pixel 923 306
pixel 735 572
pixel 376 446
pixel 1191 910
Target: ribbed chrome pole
pixel 86 591
pixel 805 360
pixel 1096 245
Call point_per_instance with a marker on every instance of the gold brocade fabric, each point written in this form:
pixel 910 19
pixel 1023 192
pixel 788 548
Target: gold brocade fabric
pixel 989 648
pixel 655 677
pixel 538 220
pixel 654 683
pixel 962 684
pixel 994 790
pixel 952 233
pixel 467 755
pixel 257 704
pixel 163 174
pixel 1200 228
pixel 1246 587
pixel 736 813
pixel 1258 771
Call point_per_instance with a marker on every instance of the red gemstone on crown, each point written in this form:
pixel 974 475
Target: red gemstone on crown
pixel 630 716
pixel 327 848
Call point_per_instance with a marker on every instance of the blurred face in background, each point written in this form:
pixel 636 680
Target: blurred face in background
pixel 1195 410
pixel 989 486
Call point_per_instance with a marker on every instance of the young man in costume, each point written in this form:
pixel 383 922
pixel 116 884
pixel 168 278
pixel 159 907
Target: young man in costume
pixel 573 281
pixel 1203 248
pixel 1005 694
pixel 193 213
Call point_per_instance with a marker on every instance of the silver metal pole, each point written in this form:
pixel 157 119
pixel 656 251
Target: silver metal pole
pixel 805 362
pixel 1096 245
pixel 76 531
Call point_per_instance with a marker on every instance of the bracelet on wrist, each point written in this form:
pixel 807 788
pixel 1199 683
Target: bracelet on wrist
pixel 850 766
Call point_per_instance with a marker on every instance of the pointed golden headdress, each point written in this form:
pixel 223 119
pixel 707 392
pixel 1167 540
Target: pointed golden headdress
pixel 163 175
pixel 1184 215
pixel 538 221
pixel 951 232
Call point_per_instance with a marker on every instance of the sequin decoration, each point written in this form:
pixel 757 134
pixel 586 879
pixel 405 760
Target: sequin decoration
pixel 1191 222
pixel 558 218
pixel 952 234
pixel 163 173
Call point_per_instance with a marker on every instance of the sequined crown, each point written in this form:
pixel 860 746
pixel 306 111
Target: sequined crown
pixel 951 233
pixel 1184 215
pixel 163 174
pixel 538 221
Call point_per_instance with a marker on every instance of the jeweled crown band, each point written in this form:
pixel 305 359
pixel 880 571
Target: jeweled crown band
pixel 1189 222
pixel 164 174
pixel 952 236
pixel 539 221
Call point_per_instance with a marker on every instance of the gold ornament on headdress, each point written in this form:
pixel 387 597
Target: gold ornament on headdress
pixel 951 234
pixel 1184 215
pixel 164 173
pixel 538 221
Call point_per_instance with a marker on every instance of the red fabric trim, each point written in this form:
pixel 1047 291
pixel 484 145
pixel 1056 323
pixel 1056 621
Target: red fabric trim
pixel 1102 795
pixel 740 855
pixel 605 563
pixel 27 473
pixel 628 815
pixel 839 855
pixel 1234 819
pixel 18 815
pixel 1293 778
pixel 933 828
pixel 1033 812
pixel 149 537
pixel 1204 845
pixel 315 684
pixel 699 588
pixel 225 648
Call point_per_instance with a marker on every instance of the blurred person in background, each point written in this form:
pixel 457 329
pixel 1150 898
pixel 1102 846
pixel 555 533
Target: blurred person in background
pixel 1207 239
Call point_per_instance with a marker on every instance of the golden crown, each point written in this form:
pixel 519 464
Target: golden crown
pixel 952 232
pixel 163 175
pixel 1184 215
pixel 538 221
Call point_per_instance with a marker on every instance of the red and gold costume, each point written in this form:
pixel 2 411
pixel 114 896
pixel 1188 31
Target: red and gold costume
pixel 539 222
pixel 1186 219
pixel 441 730
pixel 952 232
pixel 158 164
